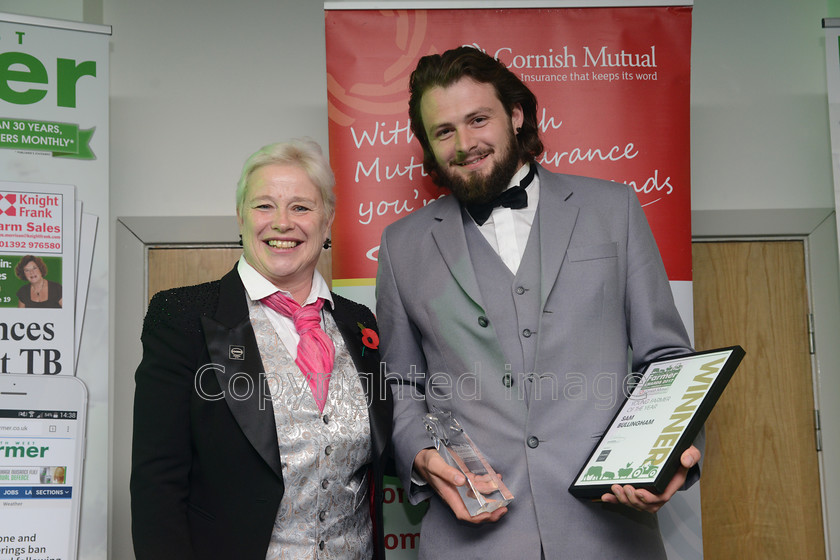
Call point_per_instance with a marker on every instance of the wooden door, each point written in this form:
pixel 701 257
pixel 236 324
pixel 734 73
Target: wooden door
pixel 173 267
pixel 760 486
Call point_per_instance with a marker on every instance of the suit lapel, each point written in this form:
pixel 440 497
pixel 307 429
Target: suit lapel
pixel 233 349
pixel 451 241
pixel 556 222
pixel 367 361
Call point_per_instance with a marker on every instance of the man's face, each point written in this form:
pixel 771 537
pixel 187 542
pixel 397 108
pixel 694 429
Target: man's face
pixel 472 138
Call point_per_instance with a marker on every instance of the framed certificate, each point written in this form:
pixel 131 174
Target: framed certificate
pixel 658 421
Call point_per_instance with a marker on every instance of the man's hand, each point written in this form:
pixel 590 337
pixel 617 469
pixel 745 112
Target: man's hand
pixel 445 481
pixel 643 500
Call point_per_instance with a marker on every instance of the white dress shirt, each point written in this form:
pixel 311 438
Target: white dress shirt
pixel 258 286
pixel 507 229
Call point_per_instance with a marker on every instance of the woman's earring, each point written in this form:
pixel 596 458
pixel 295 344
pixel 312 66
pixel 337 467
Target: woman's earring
pixel 240 240
pixel 327 243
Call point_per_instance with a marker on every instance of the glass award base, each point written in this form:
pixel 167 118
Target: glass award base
pixel 484 491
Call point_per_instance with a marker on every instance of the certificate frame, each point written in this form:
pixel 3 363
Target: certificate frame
pixel 657 422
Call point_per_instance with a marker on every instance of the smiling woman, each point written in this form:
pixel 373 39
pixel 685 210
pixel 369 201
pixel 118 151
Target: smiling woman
pixel 260 426
pixel 284 224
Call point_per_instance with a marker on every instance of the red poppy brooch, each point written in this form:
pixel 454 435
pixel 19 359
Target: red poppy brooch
pixel 369 338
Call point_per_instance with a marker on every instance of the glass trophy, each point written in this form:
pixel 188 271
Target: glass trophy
pixel 484 491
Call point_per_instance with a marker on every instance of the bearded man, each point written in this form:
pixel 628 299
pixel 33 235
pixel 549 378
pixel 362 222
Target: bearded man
pixel 508 304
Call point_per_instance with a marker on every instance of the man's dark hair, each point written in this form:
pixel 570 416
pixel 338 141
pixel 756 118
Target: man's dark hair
pixel 445 69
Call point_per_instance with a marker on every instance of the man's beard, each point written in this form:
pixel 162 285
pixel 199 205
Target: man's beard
pixel 479 189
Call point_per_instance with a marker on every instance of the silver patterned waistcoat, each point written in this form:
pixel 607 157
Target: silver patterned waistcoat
pixel 325 510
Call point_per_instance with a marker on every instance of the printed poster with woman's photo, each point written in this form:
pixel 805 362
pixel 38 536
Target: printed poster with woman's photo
pixel 37 278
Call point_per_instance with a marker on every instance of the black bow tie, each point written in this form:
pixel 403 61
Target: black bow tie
pixel 514 197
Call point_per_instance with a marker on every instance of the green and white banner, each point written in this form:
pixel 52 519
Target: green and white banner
pixel 61 139
pixel 54 106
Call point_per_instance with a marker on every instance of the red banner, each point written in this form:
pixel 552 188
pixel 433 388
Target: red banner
pixel 613 92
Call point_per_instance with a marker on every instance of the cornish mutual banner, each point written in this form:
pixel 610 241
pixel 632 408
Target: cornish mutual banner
pixel 613 90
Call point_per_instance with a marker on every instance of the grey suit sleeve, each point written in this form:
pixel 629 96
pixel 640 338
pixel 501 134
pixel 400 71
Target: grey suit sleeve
pixel 402 352
pixel 655 328
pixel 654 325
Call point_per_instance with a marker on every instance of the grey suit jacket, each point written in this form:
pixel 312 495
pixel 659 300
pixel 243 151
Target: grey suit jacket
pixel 603 289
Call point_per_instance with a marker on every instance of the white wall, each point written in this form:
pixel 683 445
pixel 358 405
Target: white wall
pixel 197 86
pixel 759 113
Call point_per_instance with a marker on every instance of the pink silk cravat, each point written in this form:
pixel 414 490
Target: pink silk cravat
pixel 315 351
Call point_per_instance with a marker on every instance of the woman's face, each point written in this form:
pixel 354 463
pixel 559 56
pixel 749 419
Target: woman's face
pixel 32 272
pixel 284 224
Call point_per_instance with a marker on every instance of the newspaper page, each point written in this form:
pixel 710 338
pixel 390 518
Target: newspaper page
pixel 37 278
